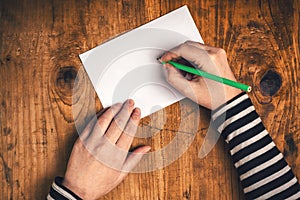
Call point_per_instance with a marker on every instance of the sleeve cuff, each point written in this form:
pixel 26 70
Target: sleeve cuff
pixel 225 105
pixel 234 114
pixel 59 192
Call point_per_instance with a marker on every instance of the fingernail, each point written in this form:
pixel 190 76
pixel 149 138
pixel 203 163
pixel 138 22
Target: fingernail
pixel 136 113
pixel 130 102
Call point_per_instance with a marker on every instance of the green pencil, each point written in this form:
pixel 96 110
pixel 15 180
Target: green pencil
pixel 219 79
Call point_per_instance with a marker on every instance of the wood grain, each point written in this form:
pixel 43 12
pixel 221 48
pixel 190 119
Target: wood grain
pixel 44 90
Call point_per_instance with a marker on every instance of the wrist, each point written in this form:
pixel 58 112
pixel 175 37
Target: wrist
pixel 217 99
pixel 228 97
pixel 230 94
pixel 60 191
pixel 77 190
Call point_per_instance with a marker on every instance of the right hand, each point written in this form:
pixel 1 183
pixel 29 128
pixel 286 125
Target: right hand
pixel 205 92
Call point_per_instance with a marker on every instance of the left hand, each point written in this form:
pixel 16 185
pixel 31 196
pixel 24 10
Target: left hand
pixel 99 160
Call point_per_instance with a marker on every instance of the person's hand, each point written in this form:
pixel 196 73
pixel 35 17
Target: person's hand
pixel 203 91
pixel 99 160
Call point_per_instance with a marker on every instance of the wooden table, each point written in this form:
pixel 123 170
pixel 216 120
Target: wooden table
pixel 40 42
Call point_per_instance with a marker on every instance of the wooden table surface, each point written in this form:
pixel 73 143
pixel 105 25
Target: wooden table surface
pixel 40 42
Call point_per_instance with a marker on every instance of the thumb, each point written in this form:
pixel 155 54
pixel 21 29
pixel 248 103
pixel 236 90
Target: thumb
pixel 133 159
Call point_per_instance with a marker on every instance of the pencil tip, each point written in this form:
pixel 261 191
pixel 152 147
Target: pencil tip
pixel 159 60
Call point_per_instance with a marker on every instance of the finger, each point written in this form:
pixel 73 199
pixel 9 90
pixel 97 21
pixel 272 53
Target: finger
pixel 196 56
pixel 168 56
pixel 101 112
pixel 118 124
pixel 133 159
pixel 184 50
pixel 175 78
pixel 185 87
pixel 203 46
pixel 88 129
pixel 128 134
pixel 202 58
pixel 209 54
pixel 188 76
pixel 192 53
pixel 104 121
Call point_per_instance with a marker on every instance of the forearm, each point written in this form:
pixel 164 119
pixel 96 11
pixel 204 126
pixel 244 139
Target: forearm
pixel 262 169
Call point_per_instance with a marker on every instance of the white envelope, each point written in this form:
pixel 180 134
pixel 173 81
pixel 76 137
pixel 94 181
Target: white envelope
pixel 127 67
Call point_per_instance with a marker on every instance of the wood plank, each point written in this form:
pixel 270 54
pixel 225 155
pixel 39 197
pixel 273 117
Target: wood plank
pixel 41 98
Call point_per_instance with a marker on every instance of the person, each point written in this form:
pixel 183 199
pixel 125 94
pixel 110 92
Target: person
pixel 262 169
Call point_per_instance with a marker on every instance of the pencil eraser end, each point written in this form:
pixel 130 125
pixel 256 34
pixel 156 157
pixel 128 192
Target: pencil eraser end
pixel 249 89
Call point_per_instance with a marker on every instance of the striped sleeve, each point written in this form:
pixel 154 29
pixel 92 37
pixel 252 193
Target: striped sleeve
pixel 263 172
pixel 60 192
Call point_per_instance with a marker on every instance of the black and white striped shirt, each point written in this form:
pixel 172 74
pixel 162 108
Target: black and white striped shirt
pixel 262 169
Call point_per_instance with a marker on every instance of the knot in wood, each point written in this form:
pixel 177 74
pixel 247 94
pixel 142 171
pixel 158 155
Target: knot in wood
pixel 8 58
pixel 270 83
pixel 65 79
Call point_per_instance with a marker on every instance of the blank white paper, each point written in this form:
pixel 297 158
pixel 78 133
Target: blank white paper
pixel 127 67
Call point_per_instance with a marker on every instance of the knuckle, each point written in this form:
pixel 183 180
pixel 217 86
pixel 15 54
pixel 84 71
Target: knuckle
pixel 221 51
pixel 114 109
pixel 170 79
pixel 130 130
pixel 103 120
pixel 119 120
pixel 218 54
pixel 183 47
pixel 188 42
